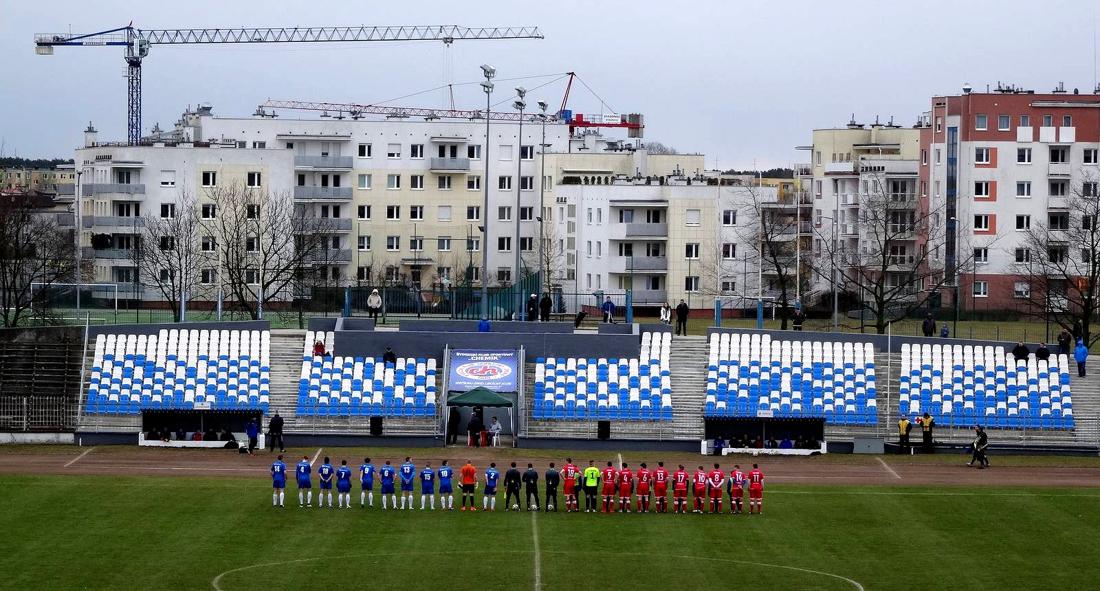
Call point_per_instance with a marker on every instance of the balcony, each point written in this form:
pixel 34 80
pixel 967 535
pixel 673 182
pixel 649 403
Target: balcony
pixel 900 262
pixel 849 229
pixel 901 200
pixel 330 256
pixel 323 162
pixel 322 193
pixel 1057 202
pixel 90 189
pixel 123 224
pixel 654 297
pixel 849 199
pixel 115 254
pixel 840 168
pixel 446 165
pixel 638 264
pixel 1058 169
pixel 66 191
pixel 325 225
pixel 632 230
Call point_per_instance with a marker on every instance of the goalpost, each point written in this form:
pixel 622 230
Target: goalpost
pixel 740 301
pixel 113 287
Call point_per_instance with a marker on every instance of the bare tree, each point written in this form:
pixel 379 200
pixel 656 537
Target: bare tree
pixel 659 148
pixel 34 255
pixel 893 270
pixel 548 261
pixel 167 256
pixel 265 243
pixel 1061 261
pixel 773 231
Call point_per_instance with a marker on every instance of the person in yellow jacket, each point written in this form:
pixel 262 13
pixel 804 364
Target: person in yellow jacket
pixel 591 480
pixel 904 427
pixel 927 424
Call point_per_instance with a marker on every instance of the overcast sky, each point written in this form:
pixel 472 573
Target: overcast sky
pixel 739 81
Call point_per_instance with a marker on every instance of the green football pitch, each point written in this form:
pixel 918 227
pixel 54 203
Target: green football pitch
pixel 151 532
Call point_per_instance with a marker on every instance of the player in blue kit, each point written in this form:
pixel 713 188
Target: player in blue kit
pixel 343 485
pixel 303 471
pixel 492 475
pixel 407 474
pixel 278 481
pixel 446 474
pixel 427 485
pixel 388 474
pixel 366 481
pixel 325 474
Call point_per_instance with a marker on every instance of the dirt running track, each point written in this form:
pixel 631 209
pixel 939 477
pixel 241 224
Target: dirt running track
pixel 830 470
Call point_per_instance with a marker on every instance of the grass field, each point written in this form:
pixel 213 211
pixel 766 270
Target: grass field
pixel 124 532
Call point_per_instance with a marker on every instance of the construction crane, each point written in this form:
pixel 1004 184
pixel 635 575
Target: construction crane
pixel 136 43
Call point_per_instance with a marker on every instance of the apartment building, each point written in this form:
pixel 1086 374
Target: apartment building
pixel 43 180
pixel 1001 163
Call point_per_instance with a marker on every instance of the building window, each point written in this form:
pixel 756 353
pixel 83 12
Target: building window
pixel 1057 254
pixel 365 151
pixel 416 151
pixel 393 151
pixel 626 249
pixel 504 213
pixel 416 243
pixel 526 214
pixel 252 179
pixel 444 274
pixel 527 183
pixel 208 244
pixel 981 289
pixel 168 178
pixel 729 217
pixel 473 213
pixel 252 211
pixel 362 273
pixel 1023 155
pixel 443 213
pixel 1059 154
pixel 1048 120
pixel 1023 189
pixel 1025 120
pixel 691 283
pixel 443 243
pixel 416 182
pixel 981 222
pixel 1021 289
pixel 1004 122
pixel 416 212
pixel 443 183
pixel 1058 188
pixel 526 243
pixel 505 151
pixel 393 212
pixel 364 243
pixel 393 243
pixel 1058 221
pixel 504 183
pixel 504 243
pixel 981 156
pixel 981 122
pixel 473 183
pixel 251 244
pixel 473 151
pixel 924 157
pixel 363 212
pixel 364 181
pixel 1023 255
pixel 981 189
pixel 729 250
pixel 167 210
pixel 393 181
pixel 1023 222
pixel 208 276
pixel 1090 155
pixel 504 275
pixel 981 256
pixel 473 244
pixel 692 217
pixel 1089 189
pixel 1067 121
pixel 526 152
pixel 729 286
pixel 209 178
pixel 691 250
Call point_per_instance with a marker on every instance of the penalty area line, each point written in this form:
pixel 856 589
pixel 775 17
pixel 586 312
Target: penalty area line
pixel 315 456
pixel 537 553
pixel 888 468
pixel 80 457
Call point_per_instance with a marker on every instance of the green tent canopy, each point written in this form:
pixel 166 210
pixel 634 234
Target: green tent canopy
pixel 479 397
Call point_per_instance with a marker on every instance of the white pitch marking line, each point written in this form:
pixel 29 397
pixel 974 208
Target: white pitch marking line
pixel 538 554
pixel 315 456
pixel 888 468
pixel 77 458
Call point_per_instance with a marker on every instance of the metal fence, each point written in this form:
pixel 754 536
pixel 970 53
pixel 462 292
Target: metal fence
pixel 24 414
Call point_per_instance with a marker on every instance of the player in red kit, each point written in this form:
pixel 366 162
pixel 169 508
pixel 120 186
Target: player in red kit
pixel 698 490
pixel 569 485
pixel 660 486
pixel 715 480
pixel 679 490
pixel 736 486
pixel 626 488
pixel 644 478
pixel 756 490
pixel 610 481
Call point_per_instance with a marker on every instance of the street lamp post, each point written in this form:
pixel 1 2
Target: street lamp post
pixel 519 105
pixel 543 262
pixel 79 228
pixel 486 86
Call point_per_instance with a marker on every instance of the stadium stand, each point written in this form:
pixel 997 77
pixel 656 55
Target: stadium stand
pixel 180 370
pixel 364 386
pixel 963 385
pixel 635 389
pixel 750 374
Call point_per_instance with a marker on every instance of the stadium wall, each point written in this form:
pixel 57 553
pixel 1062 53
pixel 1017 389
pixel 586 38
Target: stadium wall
pixel 879 341
pixel 355 324
pixel 615 328
pixel 152 329
pixel 431 344
pixel 503 326
pixel 323 323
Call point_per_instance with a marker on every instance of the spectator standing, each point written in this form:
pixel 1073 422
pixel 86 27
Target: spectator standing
pixel 608 309
pixel 719 445
pixel 1064 341
pixel 545 305
pixel 531 483
pixel 981 442
pixel 682 311
pixel 374 304
pixel 928 327
pixel 389 357
pixel 927 424
pixel 532 308
pixel 1080 354
pixel 483 325
pixel 553 479
pixel 275 431
pixel 1020 352
pixel 1042 353
pixel 944 331
pixel 666 313
pixel 253 432
pixel 798 319
pixel 453 421
pixel 474 428
pixel 904 427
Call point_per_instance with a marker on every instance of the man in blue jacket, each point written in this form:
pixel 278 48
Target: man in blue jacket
pixel 1080 354
pixel 608 309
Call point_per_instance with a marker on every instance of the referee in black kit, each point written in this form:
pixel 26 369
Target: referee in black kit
pixel 531 479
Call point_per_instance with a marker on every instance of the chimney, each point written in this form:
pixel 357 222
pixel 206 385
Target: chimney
pixel 90 136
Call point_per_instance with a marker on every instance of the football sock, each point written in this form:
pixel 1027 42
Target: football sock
pixel 370 498
pixel 301 498
pixel 274 499
pixel 493 503
pixel 281 496
pixel 450 501
pixel 423 501
pixel 384 507
pixel 433 502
